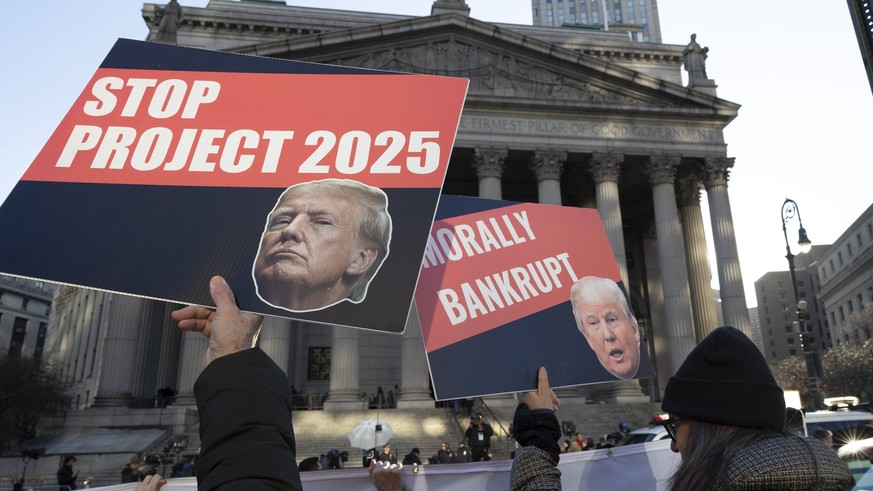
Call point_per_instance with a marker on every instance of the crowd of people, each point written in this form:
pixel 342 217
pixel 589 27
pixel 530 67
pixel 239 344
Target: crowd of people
pixel 727 419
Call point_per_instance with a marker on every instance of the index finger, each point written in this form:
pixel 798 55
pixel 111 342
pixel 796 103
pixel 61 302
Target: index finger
pixel 542 380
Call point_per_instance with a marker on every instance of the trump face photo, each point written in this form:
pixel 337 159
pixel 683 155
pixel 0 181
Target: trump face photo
pixel 604 318
pixel 323 243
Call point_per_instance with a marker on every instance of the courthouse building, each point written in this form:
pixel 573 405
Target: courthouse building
pixel 564 116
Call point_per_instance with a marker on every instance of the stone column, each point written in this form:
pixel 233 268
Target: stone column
pixel 119 351
pixel 171 345
pixel 671 252
pixel 605 169
pixel 547 166
pixel 275 340
pixel 730 278
pixel 489 163
pixel 344 364
pixel 699 275
pixel 414 375
pixel 191 363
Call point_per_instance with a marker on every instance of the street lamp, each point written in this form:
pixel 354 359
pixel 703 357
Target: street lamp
pixel 789 211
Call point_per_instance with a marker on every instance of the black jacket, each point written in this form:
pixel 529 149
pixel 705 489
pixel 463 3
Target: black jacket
pixel 245 425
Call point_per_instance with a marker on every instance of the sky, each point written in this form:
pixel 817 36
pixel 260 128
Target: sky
pixel 801 132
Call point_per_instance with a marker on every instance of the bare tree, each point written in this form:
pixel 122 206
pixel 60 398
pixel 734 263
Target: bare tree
pixel 28 391
pixel 848 370
pixel 790 374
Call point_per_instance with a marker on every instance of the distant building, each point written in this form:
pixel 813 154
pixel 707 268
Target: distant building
pixel 756 328
pixel 846 275
pixel 638 18
pixel 777 310
pixel 24 316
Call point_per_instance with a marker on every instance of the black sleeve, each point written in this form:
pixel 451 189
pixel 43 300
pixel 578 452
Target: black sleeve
pixel 538 428
pixel 245 425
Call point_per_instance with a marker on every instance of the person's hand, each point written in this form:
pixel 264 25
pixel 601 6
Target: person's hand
pixel 228 329
pixel 543 397
pixel 151 483
pixel 386 476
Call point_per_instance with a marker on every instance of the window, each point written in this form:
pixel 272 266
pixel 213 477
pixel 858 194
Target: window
pixel 849 248
pixel 789 330
pixel 595 17
pixel 790 341
pixel 24 302
pixel 583 18
pixel 800 283
pixel 842 314
pixel 792 352
pixel 40 341
pixel 318 367
pixel 19 329
pixel 840 258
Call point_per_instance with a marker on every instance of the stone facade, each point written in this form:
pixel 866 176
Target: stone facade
pixel 845 271
pixel 24 316
pixel 777 311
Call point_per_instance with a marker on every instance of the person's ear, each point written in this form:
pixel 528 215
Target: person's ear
pixel 363 261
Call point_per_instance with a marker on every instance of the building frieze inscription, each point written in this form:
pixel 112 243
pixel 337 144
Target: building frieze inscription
pixel 613 131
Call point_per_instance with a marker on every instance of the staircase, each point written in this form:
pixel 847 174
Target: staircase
pixel 317 432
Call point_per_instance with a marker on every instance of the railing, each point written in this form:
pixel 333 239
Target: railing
pixel 307 401
pixel 453 417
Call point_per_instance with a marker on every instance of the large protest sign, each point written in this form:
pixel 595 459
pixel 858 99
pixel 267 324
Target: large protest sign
pixel 171 167
pixel 494 300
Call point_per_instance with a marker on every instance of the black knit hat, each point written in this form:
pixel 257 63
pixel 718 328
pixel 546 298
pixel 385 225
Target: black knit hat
pixel 726 380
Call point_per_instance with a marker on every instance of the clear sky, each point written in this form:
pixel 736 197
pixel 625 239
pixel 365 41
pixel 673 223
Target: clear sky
pixel 795 68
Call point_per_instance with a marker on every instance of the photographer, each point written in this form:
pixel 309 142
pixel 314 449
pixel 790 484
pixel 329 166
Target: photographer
pixel 479 435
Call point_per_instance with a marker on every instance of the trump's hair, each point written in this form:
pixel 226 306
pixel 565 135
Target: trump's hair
pixel 597 290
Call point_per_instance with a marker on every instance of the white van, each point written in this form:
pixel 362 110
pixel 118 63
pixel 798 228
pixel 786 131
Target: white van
pixel 853 439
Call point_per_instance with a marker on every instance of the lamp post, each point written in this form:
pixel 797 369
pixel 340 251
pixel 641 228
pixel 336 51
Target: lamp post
pixel 789 211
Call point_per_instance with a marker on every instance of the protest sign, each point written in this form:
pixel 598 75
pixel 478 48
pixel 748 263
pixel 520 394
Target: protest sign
pixel 171 166
pixel 494 300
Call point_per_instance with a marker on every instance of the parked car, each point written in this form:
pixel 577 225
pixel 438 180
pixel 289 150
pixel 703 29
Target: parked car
pixel 643 435
pixel 853 437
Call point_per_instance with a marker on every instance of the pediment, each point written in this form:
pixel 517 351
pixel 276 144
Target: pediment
pixel 503 67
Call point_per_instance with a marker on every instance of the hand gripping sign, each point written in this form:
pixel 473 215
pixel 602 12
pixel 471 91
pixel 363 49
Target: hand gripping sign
pixel 310 188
